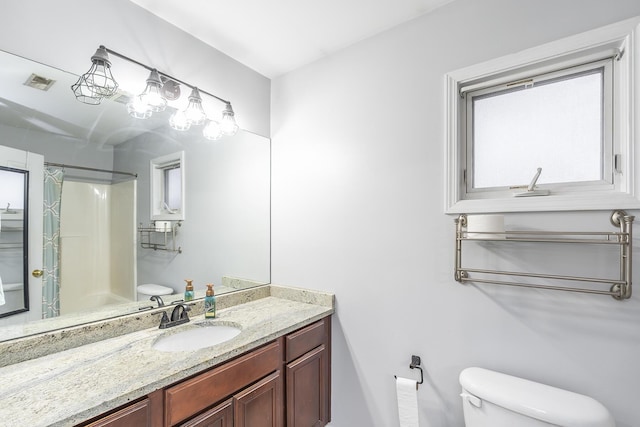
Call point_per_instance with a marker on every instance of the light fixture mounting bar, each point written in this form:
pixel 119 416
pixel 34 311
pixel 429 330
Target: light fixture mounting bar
pixel 126 58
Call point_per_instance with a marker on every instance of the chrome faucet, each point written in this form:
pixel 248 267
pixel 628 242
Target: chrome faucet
pixel 178 316
pixel 180 313
pixel 158 299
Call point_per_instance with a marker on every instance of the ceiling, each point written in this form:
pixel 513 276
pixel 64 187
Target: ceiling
pixel 277 36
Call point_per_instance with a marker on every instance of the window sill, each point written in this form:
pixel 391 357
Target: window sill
pixel 586 201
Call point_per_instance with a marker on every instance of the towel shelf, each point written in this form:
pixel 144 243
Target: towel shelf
pixel 620 288
pixel 168 237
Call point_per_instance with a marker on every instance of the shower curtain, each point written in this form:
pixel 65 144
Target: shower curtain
pixel 53 178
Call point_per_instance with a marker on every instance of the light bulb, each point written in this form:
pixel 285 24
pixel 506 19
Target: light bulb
pixel 138 108
pixel 212 130
pixel 179 121
pixel 228 123
pixel 194 112
pixel 152 93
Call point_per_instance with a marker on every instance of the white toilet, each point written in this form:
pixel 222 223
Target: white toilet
pixel 147 290
pixel 492 399
pixel 14 297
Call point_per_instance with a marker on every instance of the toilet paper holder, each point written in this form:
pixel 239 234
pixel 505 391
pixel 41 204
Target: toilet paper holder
pixel 415 364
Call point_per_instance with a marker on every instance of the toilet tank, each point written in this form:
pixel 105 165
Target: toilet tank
pixel 498 400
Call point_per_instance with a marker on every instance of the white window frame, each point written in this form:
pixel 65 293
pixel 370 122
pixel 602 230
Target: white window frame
pixel 157 167
pixel 621 40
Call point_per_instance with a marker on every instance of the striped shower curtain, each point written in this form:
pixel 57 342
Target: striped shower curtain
pixel 51 252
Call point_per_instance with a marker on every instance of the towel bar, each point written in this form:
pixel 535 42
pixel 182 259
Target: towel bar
pixel 620 288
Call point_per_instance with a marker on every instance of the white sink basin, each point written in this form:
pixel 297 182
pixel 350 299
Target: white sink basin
pixel 203 335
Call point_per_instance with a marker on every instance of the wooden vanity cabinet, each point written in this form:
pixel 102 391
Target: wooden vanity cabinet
pixel 194 395
pixel 286 382
pixel 308 373
pixel 259 405
pixel 136 414
pixel 220 416
pixel 146 412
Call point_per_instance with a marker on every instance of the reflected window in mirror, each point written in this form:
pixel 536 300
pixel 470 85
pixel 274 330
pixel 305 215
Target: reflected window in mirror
pixel 173 188
pixel 167 187
pixel 13 237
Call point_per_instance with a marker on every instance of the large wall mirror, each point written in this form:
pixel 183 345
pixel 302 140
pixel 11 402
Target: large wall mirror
pixel 101 157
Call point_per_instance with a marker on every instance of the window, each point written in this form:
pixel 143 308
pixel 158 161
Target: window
pixel 173 187
pixel 564 107
pixel 167 187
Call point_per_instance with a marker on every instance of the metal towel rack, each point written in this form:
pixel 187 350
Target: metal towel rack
pixel 147 242
pixel 620 288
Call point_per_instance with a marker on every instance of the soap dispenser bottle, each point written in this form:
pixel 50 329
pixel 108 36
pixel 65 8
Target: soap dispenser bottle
pixel 210 303
pixel 188 292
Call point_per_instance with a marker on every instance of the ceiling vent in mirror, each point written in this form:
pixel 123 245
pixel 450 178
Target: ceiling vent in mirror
pixel 38 82
pixel 120 97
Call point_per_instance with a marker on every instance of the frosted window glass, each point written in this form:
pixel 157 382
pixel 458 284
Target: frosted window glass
pixel 11 190
pixel 173 188
pixel 554 125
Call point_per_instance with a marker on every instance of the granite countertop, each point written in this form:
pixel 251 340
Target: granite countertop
pixel 70 386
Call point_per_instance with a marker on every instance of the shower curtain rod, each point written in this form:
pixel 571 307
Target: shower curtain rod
pixel 62 165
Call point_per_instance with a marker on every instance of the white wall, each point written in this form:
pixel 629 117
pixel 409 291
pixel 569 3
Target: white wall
pixel 57 148
pixel 357 209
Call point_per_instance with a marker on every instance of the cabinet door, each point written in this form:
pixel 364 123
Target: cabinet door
pixel 260 405
pixel 220 416
pixel 191 397
pixel 137 414
pixel 308 389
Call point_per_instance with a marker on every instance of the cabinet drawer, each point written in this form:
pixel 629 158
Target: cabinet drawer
pixel 306 339
pixel 192 396
pixel 137 414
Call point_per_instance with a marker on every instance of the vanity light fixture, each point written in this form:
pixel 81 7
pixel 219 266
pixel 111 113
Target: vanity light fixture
pixel 212 130
pixel 152 95
pixel 179 121
pixel 228 124
pixel 98 83
pixel 194 112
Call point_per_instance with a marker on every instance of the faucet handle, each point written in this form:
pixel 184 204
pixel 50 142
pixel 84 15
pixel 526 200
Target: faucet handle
pixel 164 321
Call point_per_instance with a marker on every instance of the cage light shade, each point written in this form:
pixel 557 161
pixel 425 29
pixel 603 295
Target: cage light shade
pixel 194 111
pixel 85 93
pixel 152 94
pixel 98 82
pixel 212 130
pixel 179 121
pixel 228 123
pixel 139 108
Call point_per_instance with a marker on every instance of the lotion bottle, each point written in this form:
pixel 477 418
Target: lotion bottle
pixel 188 292
pixel 210 303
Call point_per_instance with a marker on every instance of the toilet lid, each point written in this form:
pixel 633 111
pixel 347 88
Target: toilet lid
pixel 152 289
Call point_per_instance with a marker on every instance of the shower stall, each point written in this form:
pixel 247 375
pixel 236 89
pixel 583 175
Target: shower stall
pixel 97 239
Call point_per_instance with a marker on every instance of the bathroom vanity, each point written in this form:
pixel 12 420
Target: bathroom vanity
pixel 248 391
pixel 276 372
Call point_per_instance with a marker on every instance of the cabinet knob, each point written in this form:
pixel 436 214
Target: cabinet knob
pixel 37 273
